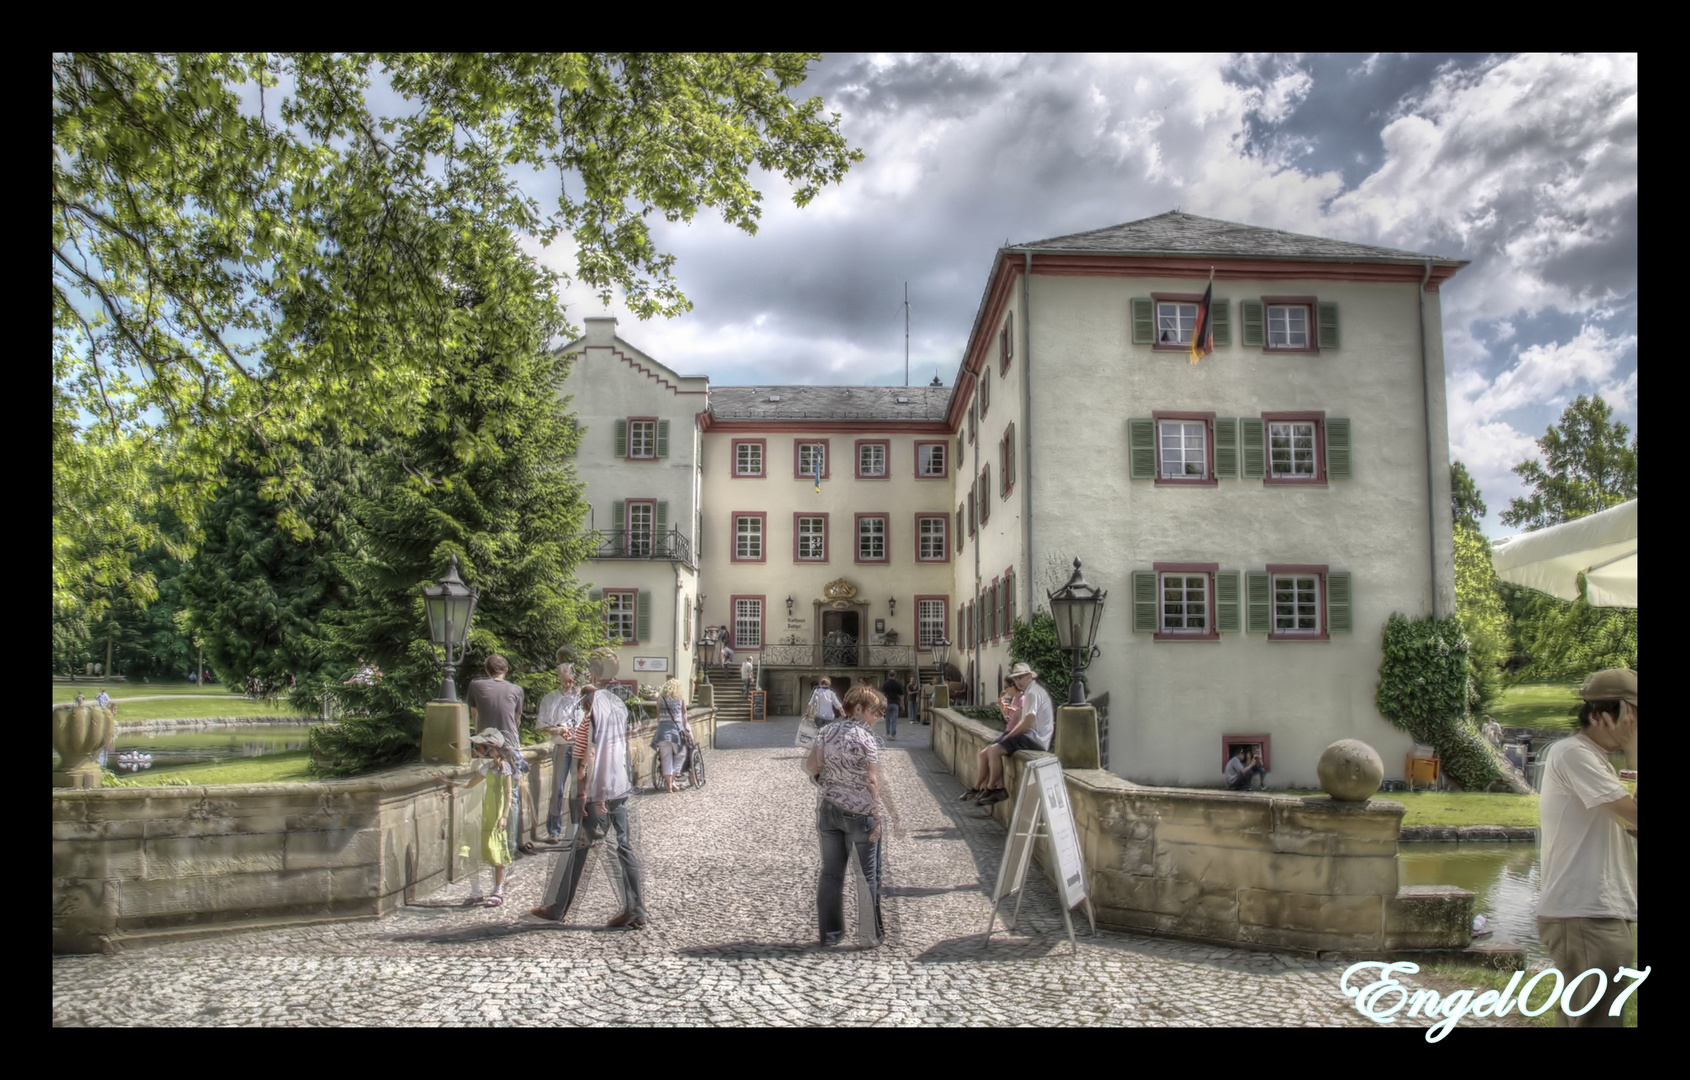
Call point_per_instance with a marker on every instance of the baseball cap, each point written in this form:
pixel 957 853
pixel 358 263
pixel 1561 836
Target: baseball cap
pixel 1611 684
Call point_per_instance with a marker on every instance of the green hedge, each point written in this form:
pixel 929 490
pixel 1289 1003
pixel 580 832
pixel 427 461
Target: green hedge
pixel 1423 690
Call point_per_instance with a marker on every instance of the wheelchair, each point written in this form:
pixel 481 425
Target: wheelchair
pixel 691 773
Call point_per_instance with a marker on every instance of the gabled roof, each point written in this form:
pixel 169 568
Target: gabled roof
pixel 1176 233
pixel 924 403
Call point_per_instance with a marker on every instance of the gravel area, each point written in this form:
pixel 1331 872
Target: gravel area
pixel 730 875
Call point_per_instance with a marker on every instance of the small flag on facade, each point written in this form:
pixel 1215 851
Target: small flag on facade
pixel 1203 333
pixel 817 461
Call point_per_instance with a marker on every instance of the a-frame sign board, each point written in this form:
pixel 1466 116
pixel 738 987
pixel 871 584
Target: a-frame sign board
pixel 1042 810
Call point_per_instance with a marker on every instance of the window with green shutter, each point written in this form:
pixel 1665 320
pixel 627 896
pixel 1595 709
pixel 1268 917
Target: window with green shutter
pixel 1327 334
pixel 663 438
pixel 621 438
pixel 1220 314
pixel 1338 617
pixel 1144 320
pixel 1228 616
pixel 1338 448
pixel 1258 602
pixel 1254 316
pixel 1146 615
pixel 642 616
pixel 618 516
pixel 1226 447
pixel 1252 448
pixel 1141 448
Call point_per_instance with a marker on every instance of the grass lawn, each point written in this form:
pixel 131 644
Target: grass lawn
pixel 90 688
pixel 205 707
pixel 1458 807
pixel 1546 705
pixel 284 768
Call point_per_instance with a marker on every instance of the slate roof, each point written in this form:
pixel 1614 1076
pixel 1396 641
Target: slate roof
pixel 829 402
pixel 1176 233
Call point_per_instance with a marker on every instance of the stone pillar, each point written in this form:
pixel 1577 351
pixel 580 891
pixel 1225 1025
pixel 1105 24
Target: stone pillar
pixel 1077 745
pixel 445 738
pixel 78 734
pixel 704 697
pixel 941 696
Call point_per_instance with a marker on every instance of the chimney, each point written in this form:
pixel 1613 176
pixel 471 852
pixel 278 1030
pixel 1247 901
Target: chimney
pixel 601 330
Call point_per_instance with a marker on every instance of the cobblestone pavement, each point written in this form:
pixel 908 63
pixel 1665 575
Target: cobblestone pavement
pixel 730 875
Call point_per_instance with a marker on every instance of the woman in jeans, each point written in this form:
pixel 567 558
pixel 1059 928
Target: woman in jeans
pixel 845 759
pixel 670 741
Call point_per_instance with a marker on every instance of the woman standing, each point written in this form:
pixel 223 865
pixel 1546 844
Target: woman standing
pixel 560 711
pixel 845 759
pixel 672 730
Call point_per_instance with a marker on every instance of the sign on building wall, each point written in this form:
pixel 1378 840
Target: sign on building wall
pixel 651 663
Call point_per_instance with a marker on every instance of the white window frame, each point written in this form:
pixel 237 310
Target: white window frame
pixel 927 538
pixel 1180 317
pixel 1291 433
pixel 1183 430
pixel 871 529
pixel 866 465
pixel 747 538
pixel 925 452
pixel 748 459
pixel 622 614
pixel 1282 314
pixel 1301 601
pixel 1185 578
pixel 748 623
pixel 930 622
pixel 641 535
pixel 642 439
pixel 807 469
pixel 818 536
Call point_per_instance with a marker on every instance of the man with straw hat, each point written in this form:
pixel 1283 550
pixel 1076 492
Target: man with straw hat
pixel 1030 722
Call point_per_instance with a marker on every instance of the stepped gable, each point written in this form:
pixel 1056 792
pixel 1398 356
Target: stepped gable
pixel 1176 233
pixel 914 403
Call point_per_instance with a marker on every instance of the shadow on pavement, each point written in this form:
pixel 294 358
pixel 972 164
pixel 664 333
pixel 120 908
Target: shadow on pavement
pixel 975 948
pixel 498 931
pixel 752 950
pixel 902 890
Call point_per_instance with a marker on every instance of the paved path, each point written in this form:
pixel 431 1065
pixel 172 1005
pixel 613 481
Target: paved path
pixel 730 873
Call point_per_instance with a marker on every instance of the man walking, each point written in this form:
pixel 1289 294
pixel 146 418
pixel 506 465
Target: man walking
pixel 1587 906
pixel 747 675
pixel 495 702
pixel 894 691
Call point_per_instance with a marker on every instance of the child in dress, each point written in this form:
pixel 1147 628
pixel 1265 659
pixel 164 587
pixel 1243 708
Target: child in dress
pixel 494 762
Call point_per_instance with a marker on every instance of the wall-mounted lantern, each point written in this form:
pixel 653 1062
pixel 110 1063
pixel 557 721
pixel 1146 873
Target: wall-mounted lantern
pixel 1077 607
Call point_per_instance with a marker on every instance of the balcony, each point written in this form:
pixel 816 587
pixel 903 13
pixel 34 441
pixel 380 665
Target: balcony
pixel 641 544
pixel 838 651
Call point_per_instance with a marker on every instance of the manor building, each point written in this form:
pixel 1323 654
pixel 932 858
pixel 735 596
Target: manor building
pixel 1255 516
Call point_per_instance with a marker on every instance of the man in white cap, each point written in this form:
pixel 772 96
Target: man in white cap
pixel 1587 905
pixel 1030 723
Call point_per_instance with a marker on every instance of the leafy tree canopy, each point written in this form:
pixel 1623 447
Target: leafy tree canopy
pixel 1586 467
pixel 1466 502
pixel 245 252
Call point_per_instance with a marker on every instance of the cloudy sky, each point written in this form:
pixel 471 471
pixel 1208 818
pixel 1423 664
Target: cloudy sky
pixel 1525 165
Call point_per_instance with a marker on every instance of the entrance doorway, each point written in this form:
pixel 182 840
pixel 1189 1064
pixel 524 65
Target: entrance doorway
pixel 841 631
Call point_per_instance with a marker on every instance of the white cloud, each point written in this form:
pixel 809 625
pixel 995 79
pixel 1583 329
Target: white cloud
pixel 1544 373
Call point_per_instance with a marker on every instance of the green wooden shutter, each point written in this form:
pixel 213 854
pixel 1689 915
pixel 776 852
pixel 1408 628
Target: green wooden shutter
pixel 959 533
pixel 662 521
pixel 1144 602
pixel 619 514
pixel 1011 601
pixel 663 438
pixel 1338 619
pixel 1144 321
pixel 1328 324
pixel 1141 448
pixel 642 616
pixel 621 438
pixel 1338 449
pixel 1255 325
pixel 1258 594
pixel 1226 447
pixel 1220 312
pixel 986 494
pixel 1227 619
pixel 595 595
pixel 1252 448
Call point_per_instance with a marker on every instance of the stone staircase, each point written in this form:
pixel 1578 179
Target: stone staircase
pixel 727 683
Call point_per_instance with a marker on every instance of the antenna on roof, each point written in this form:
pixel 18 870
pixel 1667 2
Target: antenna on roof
pixel 906 333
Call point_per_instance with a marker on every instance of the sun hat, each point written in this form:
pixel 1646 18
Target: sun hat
pixel 1611 684
pixel 1022 669
pixel 489 735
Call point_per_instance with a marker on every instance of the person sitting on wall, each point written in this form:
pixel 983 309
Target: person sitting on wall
pixel 1031 719
pixel 1244 765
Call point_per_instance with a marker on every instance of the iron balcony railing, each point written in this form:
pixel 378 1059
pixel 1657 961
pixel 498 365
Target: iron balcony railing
pixel 641 544
pixel 836 652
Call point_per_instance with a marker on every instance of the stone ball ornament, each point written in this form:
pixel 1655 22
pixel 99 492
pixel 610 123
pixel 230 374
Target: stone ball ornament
pixel 1350 770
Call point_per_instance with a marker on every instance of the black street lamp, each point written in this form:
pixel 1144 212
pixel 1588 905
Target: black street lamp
pixel 1077 608
pixel 941 653
pixel 450 605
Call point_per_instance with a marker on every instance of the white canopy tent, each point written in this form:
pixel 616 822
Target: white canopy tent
pixel 1602 546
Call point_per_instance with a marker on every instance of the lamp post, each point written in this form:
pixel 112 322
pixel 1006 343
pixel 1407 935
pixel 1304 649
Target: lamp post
pixel 450 605
pixel 791 604
pixel 1077 607
pixel 941 689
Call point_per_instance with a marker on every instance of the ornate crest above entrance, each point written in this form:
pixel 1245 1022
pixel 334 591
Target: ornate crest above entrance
pixel 840 594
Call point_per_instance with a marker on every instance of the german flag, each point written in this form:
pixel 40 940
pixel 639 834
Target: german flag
pixel 1203 333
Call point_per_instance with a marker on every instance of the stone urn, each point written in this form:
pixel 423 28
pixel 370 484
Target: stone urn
pixel 1350 770
pixel 78 734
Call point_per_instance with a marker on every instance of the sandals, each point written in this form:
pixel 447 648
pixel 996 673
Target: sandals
pixel 493 901
pixel 527 848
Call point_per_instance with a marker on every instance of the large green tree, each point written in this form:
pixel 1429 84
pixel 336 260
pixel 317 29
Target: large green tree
pixel 246 252
pixel 1478 600
pixel 1587 466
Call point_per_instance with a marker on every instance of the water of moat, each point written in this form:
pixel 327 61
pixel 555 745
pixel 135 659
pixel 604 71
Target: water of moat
pixel 1503 878
pixel 173 749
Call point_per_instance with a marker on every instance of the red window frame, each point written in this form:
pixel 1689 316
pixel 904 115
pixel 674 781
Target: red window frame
pixel 1170 298
pixel 1207 419
pixel 827 531
pixel 972 514
pixel 985 489
pixel 992 603
pixel 1006 343
pixel 1319 420
pixel 827 459
pixel 886 537
pixel 944 444
pixel 1210 569
pixel 946 546
pixel 654 421
pixel 983 393
pixel 762 620
pixel 857 454
pixel 1299 568
pixel 1311 303
pixel 1230 741
pixel 762 517
pixel 733 459
pixel 1006 461
pixel 1006 599
pixel 634 633
pixel 944 600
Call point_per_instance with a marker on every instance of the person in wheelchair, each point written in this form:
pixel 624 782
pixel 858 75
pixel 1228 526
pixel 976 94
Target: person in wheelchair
pixel 673 734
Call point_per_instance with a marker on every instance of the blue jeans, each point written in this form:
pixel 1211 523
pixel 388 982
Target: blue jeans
pixel 839 831
pixel 561 764
pixel 593 828
pixel 892 720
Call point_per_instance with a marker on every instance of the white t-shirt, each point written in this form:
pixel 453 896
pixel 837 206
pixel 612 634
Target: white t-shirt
pixel 1036 699
pixel 1589 863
